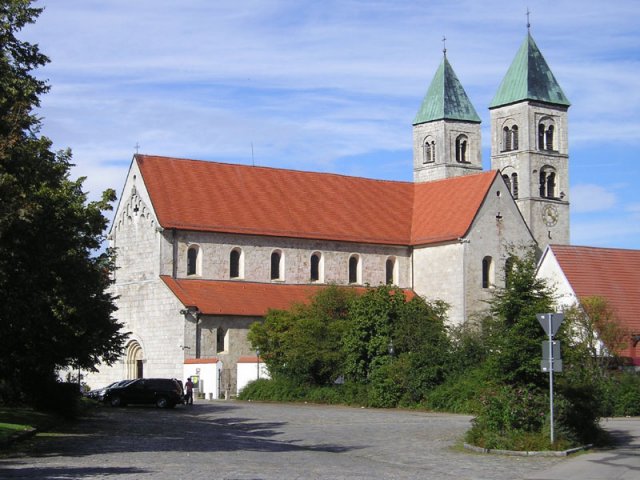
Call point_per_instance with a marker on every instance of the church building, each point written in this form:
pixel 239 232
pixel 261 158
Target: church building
pixel 204 249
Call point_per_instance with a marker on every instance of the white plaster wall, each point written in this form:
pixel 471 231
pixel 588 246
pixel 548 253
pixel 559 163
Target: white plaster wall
pixel 248 372
pixel 209 378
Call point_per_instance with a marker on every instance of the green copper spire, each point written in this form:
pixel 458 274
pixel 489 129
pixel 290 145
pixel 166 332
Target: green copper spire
pixel 446 99
pixel 529 78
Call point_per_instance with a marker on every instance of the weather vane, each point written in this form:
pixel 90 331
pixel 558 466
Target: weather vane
pixel 444 45
pixel 528 24
pixel 137 147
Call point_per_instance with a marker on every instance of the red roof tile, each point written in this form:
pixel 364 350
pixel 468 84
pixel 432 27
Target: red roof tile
pixel 611 273
pixel 216 297
pixel 219 197
pixel 444 210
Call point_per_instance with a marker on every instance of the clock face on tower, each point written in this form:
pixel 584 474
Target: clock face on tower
pixel 550 215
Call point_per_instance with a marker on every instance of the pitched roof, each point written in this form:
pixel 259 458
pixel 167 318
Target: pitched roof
pixel 611 273
pixel 446 99
pixel 220 197
pixel 445 209
pixel 529 78
pixel 219 297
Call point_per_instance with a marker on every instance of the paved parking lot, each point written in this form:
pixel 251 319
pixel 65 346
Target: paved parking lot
pixel 250 441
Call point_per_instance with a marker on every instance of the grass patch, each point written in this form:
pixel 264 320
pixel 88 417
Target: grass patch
pixel 18 419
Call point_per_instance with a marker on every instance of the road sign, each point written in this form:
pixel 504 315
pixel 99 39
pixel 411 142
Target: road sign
pixel 544 365
pixel 551 350
pixel 550 322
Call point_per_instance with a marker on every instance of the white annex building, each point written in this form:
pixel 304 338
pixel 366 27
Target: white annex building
pixel 204 249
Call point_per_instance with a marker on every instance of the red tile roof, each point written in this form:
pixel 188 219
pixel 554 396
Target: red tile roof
pixel 219 197
pixel 611 273
pixel 217 297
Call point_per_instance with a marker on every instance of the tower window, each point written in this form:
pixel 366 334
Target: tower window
pixel 507 180
pixel 510 139
pixel 546 132
pixel 429 150
pixel 547 182
pixel 514 185
pixel 461 149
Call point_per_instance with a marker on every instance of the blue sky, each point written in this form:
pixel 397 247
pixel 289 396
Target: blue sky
pixel 333 86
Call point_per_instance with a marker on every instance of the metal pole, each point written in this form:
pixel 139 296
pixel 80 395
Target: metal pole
pixel 551 375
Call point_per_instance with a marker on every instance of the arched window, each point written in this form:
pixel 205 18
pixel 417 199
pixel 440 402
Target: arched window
pixel 549 138
pixel 507 180
pixel 546 130
pixel 236 263
pixel 390 271
pixel 510 140
pixel 506 139
pixel 193 260
pixel 547 182
pixel 514 185
pixel 315 274
pixel 428 150
pixel 354 269
pixel 461 149
pixel 488 276
pixel 276 265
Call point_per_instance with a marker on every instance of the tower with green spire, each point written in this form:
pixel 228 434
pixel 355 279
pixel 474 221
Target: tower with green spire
pixel 529 143
pixel 446 130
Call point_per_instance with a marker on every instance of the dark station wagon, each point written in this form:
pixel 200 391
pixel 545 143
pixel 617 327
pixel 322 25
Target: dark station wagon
pixel 161 392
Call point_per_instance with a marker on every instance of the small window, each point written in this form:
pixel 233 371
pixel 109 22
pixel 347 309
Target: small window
pixel 547 182
pixel 354 269
pixel 193 260
pixel 235 263
pixel 510 139
pixel 461 149
pixel 390 271
pixel 546 131
pixel 221 336
pixel 428 150
pixel 514 185
pixel 487 272
pixel 276 265
pixel 314 274
pixel 507 180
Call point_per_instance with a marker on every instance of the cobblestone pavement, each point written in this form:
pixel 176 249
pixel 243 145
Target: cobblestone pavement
pixel 251 441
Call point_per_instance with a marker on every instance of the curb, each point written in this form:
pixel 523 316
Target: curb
pixel 18 436
pixel 519 453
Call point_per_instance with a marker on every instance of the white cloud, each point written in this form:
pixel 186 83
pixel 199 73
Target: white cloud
pixel 591 198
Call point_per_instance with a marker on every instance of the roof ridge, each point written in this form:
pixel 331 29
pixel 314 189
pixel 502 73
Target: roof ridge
pixel 271 168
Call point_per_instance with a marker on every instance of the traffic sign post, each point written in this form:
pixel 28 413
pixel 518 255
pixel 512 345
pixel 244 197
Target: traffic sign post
pixel 551 357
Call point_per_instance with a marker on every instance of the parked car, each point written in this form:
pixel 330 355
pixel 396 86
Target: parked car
pixel 98 393
pixel 162 392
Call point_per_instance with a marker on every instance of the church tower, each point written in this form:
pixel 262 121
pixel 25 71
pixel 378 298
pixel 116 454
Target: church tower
pixel 529 143
pixel 446 130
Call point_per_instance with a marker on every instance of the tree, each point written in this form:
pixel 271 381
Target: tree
pixel 304 344
pixel 56 310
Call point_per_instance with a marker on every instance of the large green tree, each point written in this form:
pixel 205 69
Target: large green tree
pixel 56 310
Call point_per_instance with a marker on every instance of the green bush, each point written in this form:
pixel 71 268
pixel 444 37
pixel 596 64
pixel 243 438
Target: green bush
pixel 276 389
pixel 459 394
pixel 58 397
pixel 622 395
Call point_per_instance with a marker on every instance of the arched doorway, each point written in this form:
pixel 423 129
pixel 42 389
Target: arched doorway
pixel 135 362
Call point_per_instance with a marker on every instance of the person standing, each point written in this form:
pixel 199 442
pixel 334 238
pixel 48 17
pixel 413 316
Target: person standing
pixel 188 396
